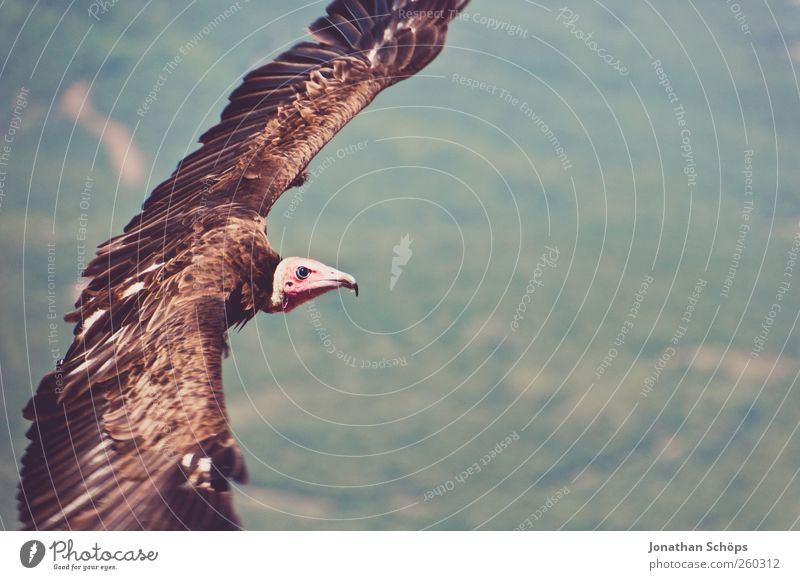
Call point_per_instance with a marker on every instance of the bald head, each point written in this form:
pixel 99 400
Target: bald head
pixel 298 280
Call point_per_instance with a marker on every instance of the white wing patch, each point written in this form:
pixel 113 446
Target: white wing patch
pixel 106 365
pixel 92 319
pixel 82 367
pixel 133 289
pixel 387 34
pixel 153 267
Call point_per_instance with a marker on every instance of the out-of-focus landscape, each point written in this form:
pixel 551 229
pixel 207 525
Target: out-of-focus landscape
pixel 575 234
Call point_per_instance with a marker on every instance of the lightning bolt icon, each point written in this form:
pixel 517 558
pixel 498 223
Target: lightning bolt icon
pixel 402 254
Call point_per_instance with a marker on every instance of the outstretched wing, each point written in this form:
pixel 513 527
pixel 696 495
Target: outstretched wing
pixel 130 431
pixel 279 119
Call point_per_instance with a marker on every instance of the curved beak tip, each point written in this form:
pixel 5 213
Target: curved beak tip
pixel 345 280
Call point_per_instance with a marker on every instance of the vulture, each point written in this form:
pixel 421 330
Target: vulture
pixel 130 431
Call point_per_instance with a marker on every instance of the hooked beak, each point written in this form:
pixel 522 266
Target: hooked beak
pixel 337 279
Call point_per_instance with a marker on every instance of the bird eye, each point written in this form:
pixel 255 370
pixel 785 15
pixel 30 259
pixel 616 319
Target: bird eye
pixel 302 272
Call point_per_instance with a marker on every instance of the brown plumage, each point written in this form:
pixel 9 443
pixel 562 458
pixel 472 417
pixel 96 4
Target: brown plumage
pixel 130 431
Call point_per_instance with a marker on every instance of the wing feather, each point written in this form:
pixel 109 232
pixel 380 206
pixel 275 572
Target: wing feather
pixel 141 391
pixel 130 431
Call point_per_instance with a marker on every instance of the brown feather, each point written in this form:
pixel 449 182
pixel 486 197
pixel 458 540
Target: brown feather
pixel 131 431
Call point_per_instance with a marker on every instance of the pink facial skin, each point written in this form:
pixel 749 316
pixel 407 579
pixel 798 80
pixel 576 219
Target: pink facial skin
pixel 303 279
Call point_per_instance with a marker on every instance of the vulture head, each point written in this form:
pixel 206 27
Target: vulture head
pixel 298 280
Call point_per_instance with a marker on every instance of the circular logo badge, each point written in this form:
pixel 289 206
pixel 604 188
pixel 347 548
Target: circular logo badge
pixel 31 553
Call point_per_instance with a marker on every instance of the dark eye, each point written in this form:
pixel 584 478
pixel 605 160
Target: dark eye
pixel 302 273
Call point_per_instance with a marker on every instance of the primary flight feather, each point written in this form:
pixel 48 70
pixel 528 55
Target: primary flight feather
pixel 130 431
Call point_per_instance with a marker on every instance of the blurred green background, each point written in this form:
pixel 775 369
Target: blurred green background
pixel 613 400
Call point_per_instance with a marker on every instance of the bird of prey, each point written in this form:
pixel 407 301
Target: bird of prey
pixel 130 430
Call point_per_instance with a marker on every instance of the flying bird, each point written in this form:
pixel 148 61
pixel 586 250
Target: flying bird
pixel 130 430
